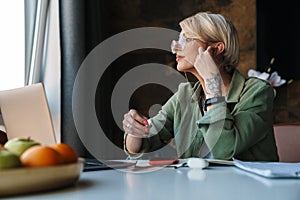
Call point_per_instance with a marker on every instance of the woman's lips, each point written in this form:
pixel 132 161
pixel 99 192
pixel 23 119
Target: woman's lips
pixel 179 57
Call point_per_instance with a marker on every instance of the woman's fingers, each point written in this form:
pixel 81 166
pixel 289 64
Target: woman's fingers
pixel 204 62
pixel 134 124
pixel 137 116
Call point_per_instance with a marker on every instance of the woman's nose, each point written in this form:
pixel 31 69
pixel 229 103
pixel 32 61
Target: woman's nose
pixel 175 46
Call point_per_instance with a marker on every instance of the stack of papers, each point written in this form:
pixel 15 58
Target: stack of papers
pixel 270 169
pixel 219 162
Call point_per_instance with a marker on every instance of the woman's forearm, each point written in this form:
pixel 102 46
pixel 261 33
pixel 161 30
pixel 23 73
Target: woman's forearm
pixel 133 144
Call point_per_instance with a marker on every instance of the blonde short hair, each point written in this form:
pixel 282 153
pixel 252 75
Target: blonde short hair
pixel 210 27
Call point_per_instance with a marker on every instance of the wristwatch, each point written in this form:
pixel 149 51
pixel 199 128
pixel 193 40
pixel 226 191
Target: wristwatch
pixel 212 101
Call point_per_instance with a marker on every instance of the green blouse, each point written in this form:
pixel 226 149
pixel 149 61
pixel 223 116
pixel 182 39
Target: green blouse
pixel 241 127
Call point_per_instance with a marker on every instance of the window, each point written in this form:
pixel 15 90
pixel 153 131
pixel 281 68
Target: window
pixel 12 44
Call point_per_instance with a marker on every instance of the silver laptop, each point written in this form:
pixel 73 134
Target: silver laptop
pixel 26 113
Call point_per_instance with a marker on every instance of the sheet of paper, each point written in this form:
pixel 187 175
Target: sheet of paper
pixel 270 169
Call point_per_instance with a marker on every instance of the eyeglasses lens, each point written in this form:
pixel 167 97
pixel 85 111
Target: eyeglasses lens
pixel 178 45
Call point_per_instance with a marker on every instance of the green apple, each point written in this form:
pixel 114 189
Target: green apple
pixel 8 159
pixel 19 145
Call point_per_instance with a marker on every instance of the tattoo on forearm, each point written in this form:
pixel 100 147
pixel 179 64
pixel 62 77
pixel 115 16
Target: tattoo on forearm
pixel 213 85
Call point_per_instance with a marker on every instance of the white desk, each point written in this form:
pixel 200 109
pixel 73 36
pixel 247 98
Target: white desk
pixel 175 184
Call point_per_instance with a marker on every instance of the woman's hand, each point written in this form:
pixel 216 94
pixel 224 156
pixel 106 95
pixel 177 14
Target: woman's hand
pixel 208 70
pixel 135 124
pixel 205 64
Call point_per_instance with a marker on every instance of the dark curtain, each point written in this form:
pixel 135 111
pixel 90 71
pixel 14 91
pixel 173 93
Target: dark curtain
pixel 82 27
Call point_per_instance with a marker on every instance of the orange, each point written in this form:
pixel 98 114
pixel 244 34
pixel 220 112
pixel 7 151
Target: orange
pixel 40 156
pixel 66 151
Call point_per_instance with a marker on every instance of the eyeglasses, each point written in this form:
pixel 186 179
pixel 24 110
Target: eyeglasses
pixel 180 43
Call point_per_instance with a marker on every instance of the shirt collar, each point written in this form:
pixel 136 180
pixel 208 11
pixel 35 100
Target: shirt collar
pixel 197 91
pixel 236 87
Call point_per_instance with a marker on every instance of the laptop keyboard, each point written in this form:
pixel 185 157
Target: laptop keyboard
pixel 91 164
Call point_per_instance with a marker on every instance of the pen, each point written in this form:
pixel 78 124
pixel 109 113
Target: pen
pixel 163 162
pixel 147 123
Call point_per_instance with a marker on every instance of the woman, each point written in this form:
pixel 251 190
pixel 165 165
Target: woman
pixel 223 116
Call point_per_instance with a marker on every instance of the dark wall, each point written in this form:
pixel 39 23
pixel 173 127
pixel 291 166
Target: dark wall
pixel 126 15
pixel 277 36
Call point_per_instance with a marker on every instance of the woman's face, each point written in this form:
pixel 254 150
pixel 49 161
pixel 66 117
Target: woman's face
pixel 186 49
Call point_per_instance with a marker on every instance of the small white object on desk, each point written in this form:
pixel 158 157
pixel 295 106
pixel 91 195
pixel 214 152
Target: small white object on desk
pixel 198 163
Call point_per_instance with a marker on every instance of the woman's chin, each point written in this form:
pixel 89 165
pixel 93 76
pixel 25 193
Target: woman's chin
pixel 183 68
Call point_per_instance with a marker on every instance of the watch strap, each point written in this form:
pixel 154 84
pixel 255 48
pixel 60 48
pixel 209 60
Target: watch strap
pixel 212 101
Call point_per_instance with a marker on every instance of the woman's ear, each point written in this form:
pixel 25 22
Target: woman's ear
pixel 219 47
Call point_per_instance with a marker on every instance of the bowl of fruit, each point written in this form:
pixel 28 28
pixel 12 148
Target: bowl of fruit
pixel 28 166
